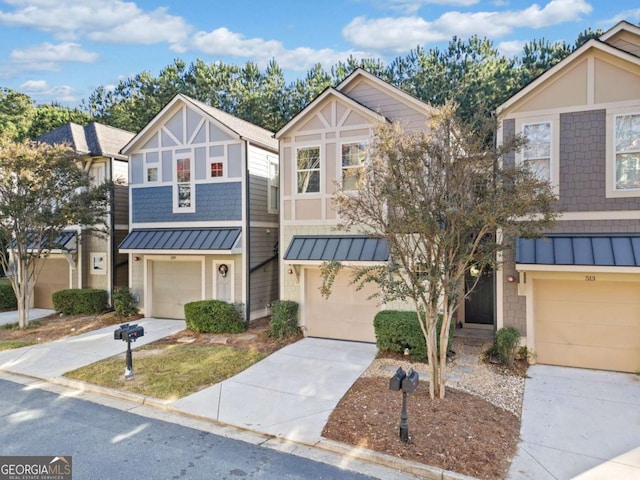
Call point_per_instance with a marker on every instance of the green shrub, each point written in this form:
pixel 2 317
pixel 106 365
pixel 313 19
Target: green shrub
pixel 213 316
pixel 507 344
pixel 8 299
pixel 80 301
pixel 398 330
pixel 124 302
pixel 284 319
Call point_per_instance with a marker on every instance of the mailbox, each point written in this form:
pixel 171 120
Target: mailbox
pixel 410 383
pixel 128 333
pixel 395 383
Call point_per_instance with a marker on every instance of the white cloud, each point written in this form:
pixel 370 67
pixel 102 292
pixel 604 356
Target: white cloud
pixel 40 88
pixel 403 33
pixel 632 16
pixel 47 53
pixel 511 48
pixel 112 21
pixel 410 7
pixel 222 42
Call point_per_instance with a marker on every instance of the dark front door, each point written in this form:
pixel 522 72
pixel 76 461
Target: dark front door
pixel 479 306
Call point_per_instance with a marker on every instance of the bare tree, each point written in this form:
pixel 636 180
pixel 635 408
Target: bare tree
pixel 43 191
pixel 445 201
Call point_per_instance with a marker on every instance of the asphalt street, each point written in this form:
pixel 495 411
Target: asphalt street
pixel 109 443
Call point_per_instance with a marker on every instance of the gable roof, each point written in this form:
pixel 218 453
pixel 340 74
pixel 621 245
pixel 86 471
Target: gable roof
pixel 328 92
pixel 342 92
pixel 598 44
pixel 236 127
pixel 94 139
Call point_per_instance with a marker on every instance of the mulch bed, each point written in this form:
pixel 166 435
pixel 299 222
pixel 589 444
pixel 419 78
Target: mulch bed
pixel 461 433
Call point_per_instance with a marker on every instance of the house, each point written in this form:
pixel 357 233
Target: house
pixel 318 147
pixel 90 261
pixel 204 207
pixel 575 294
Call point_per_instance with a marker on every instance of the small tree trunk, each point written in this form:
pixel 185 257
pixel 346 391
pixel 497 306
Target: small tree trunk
pixel 21 288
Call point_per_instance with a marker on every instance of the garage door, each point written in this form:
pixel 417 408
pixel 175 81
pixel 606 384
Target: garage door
pixel 346 315
pixel 588 324
pixel 172 285
pixel 53 277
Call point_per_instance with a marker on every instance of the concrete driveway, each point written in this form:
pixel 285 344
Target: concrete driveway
pixel 579 424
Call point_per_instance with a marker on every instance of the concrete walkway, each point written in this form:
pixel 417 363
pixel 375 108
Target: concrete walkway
pixel 579 423
pixel 52 359
pixel 34 313
pixel 290 394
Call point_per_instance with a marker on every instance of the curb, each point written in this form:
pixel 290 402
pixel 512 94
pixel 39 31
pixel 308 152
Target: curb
pixel 414 468
pixel 363 454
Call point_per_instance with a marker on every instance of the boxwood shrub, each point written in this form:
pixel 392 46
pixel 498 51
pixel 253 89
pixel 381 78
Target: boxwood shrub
pixel 397 330
pixel 284 319
pixel 213 316
pixel 8 299
pixel 80 301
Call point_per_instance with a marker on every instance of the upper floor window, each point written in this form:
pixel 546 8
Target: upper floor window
pixel 537 152
pixel 183 186
pixel 151 167
pixel 308 169
pixel 274 185
pixel 353 156
pixel 217 169
pixel 627 152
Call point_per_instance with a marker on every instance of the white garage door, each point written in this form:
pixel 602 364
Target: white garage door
pixel 588 324
pixel 346 315
pixel 172 285
pixel 53 277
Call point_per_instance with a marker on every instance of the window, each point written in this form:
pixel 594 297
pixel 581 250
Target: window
pixel 627 152
pixel 274 185
pixel 152 174
pixel 353 156
pixel 183 186
pixel 308 170
pixel 217 169
pixel 537 152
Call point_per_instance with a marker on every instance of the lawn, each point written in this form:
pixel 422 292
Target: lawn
pixel 169 372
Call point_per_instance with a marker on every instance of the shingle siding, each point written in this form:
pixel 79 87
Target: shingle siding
pixel 214 202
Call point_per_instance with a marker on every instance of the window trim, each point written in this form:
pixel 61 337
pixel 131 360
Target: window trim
pixel 341 167
pixel 612 115
pixel 148 165
pixel 225 169
pixel 175 184
pixel 319 170
pixel 271 161
pixel 554 160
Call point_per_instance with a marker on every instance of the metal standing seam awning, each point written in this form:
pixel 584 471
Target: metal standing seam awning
pixel 343 248
pixel 612 250
pixel 182 240
pixel 65 242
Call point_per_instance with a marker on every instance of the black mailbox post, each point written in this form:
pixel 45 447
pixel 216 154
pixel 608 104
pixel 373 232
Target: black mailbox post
pixel 128 333
pixel 408 383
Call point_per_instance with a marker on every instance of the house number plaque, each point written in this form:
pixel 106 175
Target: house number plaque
pixel 590 278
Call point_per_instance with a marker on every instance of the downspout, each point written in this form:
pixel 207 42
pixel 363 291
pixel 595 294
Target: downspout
pixel 247 233
pixel 112 231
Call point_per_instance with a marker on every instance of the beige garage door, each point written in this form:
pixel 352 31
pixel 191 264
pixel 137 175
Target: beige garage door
pixel 53 277
pixel 588 324
pixel 346 315
pixel 172 285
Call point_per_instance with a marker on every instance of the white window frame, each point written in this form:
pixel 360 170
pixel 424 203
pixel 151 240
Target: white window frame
pixel 176 185
pixel 554 160
pixel 319 170
pixel 225 169
pixel 98 265
pixel 343 168
pixel 149 165
pixel 611 156
pixel 271 185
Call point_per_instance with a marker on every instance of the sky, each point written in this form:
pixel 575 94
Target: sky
pixel 62 50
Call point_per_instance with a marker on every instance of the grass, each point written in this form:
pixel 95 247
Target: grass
pixel 11 344
pixel 169 372
pixel 16 325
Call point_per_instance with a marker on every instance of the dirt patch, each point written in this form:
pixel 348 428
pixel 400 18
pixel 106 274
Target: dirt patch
pixel 55 327
pixel 462 432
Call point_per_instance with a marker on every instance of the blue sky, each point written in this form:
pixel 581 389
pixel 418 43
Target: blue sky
pixel 61 50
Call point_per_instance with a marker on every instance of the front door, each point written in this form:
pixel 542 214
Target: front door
pixel 479 306
pixel 224 281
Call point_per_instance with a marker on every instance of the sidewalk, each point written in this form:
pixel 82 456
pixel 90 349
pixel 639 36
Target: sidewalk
pixel 34 313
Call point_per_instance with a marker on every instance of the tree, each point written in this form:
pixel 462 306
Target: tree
pixel 16 114
pixel 48 117
pixel 444 202
pixel 43 190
